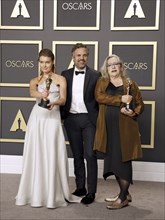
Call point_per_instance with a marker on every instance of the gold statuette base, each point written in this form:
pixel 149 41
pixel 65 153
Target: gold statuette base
pixel 44 103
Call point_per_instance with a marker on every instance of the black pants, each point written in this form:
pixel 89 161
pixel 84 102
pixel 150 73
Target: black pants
pixel 81 133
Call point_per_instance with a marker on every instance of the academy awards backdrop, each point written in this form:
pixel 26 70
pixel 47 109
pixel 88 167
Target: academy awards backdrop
pixel 132 29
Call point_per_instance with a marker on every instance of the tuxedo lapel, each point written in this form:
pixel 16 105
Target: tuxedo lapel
pixel 86 81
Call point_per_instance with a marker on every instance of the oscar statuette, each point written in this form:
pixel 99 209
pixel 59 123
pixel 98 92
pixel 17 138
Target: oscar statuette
pixel 128 93
pixel 46 101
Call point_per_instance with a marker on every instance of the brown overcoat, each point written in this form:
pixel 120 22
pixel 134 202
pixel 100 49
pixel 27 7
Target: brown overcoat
pixel 129 130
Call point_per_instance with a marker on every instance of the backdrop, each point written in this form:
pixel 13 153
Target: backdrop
pixel 132 29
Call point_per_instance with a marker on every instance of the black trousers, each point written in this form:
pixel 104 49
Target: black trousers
pixel 81 133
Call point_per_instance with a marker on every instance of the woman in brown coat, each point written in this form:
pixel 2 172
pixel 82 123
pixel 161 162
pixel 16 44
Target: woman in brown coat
pixel 117 132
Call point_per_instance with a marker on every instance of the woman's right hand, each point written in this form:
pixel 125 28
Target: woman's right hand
pixel 126 98
pixel 128 112
pixel 45 94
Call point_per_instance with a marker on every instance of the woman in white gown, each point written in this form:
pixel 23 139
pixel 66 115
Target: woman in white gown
pixel 44 179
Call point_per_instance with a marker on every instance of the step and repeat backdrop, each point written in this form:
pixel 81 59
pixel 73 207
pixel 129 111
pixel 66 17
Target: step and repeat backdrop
pixel 132 29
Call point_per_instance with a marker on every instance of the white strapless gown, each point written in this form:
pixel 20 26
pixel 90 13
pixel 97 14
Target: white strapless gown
pixel 44 180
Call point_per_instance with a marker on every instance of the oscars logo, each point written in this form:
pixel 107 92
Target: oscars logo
pixel 20 9
pixel 19 123
pixel 45 101
pixel 134 10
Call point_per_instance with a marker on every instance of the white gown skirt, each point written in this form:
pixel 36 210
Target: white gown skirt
pixel 44 180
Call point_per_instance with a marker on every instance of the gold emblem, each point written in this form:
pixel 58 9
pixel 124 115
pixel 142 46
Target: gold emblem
pixel 19 122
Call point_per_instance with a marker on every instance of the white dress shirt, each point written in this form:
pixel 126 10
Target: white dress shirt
pixel 77 103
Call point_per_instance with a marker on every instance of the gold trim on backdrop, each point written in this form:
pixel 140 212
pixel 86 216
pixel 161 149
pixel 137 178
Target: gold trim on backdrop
pixel 40 27
pixel 15 84
pixel 97 27
pixel 12 140
pixel 154 59
pixel 4 140
pixel 112 19
pixel 95 43
pixel 21 42
pixel 39 42
pixel 17 99
pixel 152 132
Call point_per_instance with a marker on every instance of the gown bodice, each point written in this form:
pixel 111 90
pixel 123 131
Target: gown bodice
pixel 54 91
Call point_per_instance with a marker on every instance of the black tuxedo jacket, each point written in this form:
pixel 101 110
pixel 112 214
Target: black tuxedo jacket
pixel 91 77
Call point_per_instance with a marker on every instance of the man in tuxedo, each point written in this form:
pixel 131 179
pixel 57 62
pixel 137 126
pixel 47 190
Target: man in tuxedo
pixel 80 113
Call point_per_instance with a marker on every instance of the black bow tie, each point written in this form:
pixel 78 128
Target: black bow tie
pixel 79 72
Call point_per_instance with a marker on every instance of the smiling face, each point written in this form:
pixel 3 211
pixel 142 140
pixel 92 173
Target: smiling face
pixel 80 57
pixel 114 67
pixel 46 64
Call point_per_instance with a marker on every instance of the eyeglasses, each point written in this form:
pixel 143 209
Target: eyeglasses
pixel 113 64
